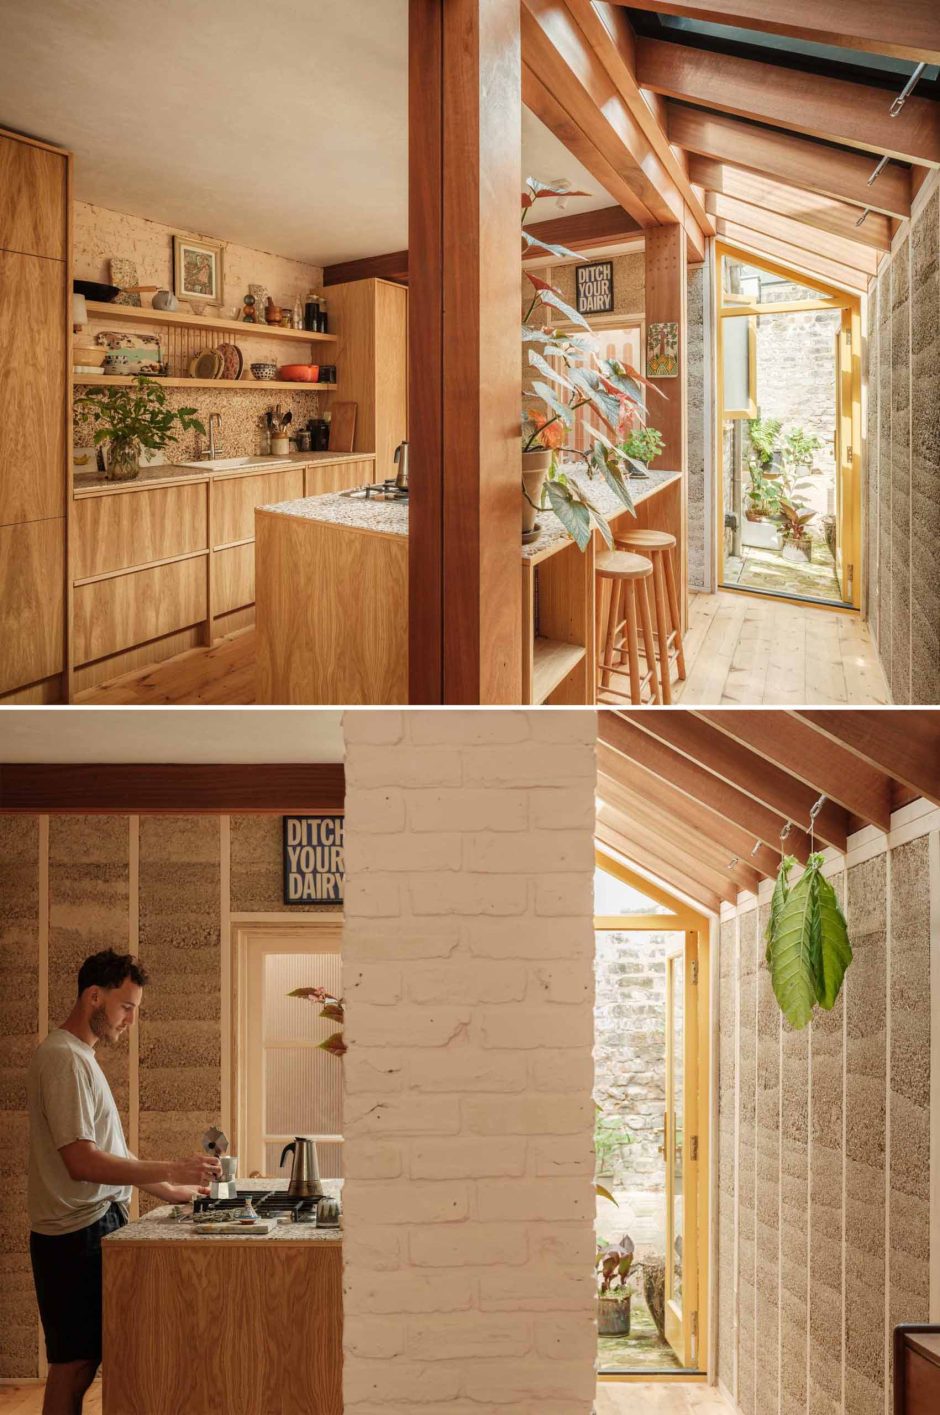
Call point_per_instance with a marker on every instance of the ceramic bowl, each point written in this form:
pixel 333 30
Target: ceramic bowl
pixel 266 372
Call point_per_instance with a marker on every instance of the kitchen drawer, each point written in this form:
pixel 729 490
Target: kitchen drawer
pixel 113 532
pixel 115 614
pixel 233 585
pixel 235 499
pixel 338 476
pixel 32 602
pixel 32 200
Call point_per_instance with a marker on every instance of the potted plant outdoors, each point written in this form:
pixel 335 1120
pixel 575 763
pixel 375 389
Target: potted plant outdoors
pixel 612 1265
pixel 132 417
pixel 764 469
pixel 795 521
pixel 578 379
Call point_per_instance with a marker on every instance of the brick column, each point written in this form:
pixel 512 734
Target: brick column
pixel 468 977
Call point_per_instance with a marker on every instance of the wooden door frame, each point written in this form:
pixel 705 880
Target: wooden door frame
pixel 465 374
pixel 286 936
pixel 831 297
pixel 682 919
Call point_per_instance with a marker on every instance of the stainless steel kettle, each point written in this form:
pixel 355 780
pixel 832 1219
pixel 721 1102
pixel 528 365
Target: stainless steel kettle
pixel 305 1171
pixel 401 457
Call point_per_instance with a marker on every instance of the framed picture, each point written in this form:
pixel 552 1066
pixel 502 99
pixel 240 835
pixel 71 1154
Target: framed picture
pixel 595 287
pixel 197 270
pixel 662 350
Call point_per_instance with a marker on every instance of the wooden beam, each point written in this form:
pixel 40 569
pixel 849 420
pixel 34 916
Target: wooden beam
pixel 904 744
pixel 676 841
pixel 810 208
pixel 795 256
pixel 606 225
pixel 836 109
pixel 740 767
pixel 682 873
pixel 465 126
pixel 106 788
pixel 909 29
pixel 557 52
pixel 816 243
pixel 612 769
pixel 804 752
pixel 666 295
pixel 610 35
pixel 696 781
pixel 809 166
pixel 377 267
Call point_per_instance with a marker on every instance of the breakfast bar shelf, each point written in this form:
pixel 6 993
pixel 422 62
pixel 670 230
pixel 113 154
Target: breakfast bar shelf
pixel 121 380
pixel 102 309
pixel 552 661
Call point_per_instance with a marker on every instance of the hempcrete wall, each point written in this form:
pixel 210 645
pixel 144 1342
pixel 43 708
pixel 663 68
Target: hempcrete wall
pixel 903 436
pixel 827 1141
pixel 89 904
pixel 468 973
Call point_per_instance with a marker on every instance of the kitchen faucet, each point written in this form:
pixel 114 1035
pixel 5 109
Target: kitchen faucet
pixel 212 447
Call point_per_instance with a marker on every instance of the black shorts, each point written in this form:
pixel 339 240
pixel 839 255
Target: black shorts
pixel 67 1274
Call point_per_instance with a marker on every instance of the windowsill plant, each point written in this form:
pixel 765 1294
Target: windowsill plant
pixel 133 417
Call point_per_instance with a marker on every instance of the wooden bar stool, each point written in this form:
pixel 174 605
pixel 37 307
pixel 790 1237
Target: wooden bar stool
pixel 628 575
pixel 659 546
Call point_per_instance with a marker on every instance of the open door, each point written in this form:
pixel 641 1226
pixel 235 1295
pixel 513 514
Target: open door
pixel 681 1149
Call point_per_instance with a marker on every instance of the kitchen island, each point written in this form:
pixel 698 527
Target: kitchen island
pixel 332 596
pixel 241 1325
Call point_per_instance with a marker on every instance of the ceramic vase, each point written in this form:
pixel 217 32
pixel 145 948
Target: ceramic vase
pixel 535 467
pixel 123 461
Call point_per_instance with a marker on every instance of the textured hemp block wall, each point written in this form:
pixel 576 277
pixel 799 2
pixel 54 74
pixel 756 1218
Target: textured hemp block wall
pixel 468 972
pixel 696 520
pixel 903 435
pixel 852 1145
pixel 19 1022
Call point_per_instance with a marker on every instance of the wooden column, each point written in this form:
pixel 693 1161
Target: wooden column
pixel 666 297
pixel 465 605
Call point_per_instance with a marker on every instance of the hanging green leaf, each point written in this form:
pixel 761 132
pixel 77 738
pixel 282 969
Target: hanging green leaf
pixel 778 900
pixel 794 947
pixel 573 514
pixel 543 366
pixel 835 951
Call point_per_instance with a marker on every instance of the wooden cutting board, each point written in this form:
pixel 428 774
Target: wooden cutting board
pixel 343 427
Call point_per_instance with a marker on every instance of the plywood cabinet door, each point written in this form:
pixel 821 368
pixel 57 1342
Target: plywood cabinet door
pixel 32 388
pixel 391 373
pixel 33 196
pixel 32 603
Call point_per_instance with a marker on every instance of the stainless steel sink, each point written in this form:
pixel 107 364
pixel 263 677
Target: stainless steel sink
pixel 231 464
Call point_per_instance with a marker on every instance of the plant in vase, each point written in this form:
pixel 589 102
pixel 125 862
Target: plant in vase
pixel 133 417
pixel 576 379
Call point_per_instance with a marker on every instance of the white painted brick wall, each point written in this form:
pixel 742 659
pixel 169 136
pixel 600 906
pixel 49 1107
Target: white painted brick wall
pixel 468 976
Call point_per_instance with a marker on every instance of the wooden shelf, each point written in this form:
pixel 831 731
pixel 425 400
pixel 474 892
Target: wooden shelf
pixel 103 310
pixel 551 662
pixel 120 380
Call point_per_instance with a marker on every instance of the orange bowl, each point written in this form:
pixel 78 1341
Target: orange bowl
pixel 299 373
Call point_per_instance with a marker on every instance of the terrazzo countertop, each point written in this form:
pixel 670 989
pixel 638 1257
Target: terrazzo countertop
pixel 159 1226
pixel 86 483
pixel 391 517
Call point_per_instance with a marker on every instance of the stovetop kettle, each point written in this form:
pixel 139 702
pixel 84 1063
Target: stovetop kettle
pixel 305 1171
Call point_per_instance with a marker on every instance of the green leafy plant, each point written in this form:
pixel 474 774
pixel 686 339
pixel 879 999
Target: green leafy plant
pixel 795 520
pixel 643 444
pixel 797 451
pixel 136 415
pixel 763 493
pixel 808 949
pixel 613 1263
pixel 577 379
pixel 764 435
pixel 331 1008
pixel 610 1136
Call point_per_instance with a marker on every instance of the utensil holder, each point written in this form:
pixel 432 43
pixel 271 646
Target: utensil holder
pixel 280 446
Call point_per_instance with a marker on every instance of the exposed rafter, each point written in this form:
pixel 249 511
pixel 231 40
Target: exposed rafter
pixel 796 256
pixel 141 789
pixel 905 744
pixel 674 869
pixel 375 267
pixel 906 29
pixel 809 166
pixel 835 109
pixel 812 209
pixel 816 243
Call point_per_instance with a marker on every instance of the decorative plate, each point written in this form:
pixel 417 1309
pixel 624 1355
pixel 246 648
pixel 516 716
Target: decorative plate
pixel 206 364
pixel 232 362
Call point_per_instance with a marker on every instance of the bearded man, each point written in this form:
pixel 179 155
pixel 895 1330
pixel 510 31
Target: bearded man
pixel 81 1171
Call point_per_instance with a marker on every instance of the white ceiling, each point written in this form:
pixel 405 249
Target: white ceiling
pixel 276 124
pixel 171 735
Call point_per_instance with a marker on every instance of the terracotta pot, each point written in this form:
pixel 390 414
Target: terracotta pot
pixel 535 467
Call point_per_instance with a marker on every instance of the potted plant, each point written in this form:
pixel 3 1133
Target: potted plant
pixel 131 417
pixel 612 1265
pixel 794 527
pixel 763 468
pixel 576 379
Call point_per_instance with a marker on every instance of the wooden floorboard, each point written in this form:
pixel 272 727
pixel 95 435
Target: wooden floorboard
pixel 26 1399
pixel 656 1398
pixel 740 650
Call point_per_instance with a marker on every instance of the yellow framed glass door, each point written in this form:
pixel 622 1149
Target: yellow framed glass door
pixel 681 1145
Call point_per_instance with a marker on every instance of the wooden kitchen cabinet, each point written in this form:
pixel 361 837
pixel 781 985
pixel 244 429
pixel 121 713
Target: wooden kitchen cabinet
pixel 371 319
pixel 234 500
pixel 125 610
pixel 32 613
pixel 33 390
pixel 116 531
pixel 338 476
pixel 33 197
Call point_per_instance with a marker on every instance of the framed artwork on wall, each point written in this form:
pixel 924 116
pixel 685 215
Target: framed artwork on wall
pixel 197 270
pixel 662 350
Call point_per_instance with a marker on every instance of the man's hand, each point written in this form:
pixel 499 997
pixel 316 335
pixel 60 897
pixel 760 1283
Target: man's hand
pixel 200 1170
pixel 179 1193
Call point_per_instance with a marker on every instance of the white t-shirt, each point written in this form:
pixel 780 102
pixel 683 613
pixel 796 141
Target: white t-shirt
pixel 69 1099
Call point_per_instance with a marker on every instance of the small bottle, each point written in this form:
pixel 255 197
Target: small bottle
pixel 298 314
pixel 312 314
pixel 323 324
